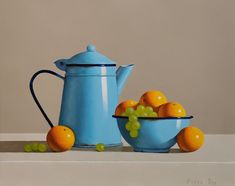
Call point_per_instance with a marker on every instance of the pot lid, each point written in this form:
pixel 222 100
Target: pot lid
pixel 89 58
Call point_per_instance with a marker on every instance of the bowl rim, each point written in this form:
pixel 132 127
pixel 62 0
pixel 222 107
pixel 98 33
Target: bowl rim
pixel 155 118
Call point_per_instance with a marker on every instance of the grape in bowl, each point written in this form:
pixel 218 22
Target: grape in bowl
pixel 155 134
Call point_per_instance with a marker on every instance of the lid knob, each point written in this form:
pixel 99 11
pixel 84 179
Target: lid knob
pixel 90 48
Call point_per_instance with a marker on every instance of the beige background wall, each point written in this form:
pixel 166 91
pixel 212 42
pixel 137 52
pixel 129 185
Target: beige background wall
pixel 184 48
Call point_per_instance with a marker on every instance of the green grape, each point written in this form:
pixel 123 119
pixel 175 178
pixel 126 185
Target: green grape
pixel 128 126
pixel 27 148
pixel 132 118
pixel 42 147
pixel 135 125
pixel 137 113
pixel 140 108
pixel 100 147
pixel 34 147
pixel 153 114
pixel 143 114
pixel 123 114
pixel 148 109
pixel 134 133
pixel 129 110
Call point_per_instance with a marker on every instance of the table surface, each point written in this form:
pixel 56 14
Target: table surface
pixel 217 149
pixel 213 164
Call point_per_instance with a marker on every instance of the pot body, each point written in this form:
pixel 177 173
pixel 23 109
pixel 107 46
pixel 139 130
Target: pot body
pixel 88 102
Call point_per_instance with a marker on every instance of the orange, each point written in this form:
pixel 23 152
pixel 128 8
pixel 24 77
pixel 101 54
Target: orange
pixel 190 139
pixel 60 138
pixel 153 98
pixel 123 105
pixel 171 109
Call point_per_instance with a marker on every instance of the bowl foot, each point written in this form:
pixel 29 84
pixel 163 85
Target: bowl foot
pixel 151 150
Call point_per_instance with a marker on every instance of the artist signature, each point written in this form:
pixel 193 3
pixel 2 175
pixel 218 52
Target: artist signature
pixel 195 181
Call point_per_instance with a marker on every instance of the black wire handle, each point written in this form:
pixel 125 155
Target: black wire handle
pixel 34 96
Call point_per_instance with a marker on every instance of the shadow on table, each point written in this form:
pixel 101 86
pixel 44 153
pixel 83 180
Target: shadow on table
pixel 15 146
pixel 18 146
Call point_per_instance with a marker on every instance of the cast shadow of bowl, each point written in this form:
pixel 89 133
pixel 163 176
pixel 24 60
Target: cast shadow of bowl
pixel 18 147
pixel 122 149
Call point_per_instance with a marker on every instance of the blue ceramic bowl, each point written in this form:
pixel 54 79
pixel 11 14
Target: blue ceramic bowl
pixel 155 134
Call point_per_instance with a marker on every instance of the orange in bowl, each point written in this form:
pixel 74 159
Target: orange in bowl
pixel 171 109
pixel 60 138
pixel 153 98
pixel 124 105
pixel 190 139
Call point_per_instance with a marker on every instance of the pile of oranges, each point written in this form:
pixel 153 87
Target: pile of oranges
pixel 189 139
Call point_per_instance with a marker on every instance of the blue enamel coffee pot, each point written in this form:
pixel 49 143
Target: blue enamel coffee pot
pixel 91 89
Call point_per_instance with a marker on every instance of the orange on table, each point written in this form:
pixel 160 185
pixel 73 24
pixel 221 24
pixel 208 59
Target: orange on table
pixel 171 109
pixel 125 104
pixel 60 138
pixel 190 139
pixel 153 98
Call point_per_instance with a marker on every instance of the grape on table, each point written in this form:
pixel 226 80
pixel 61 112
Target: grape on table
pixel 35 147
pixel 100 147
